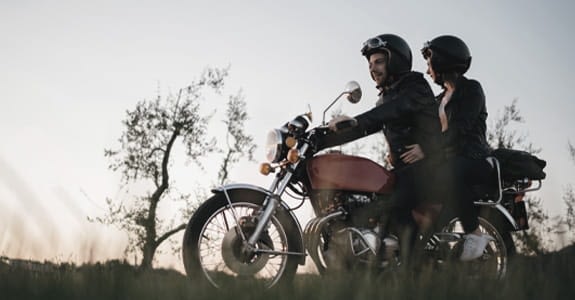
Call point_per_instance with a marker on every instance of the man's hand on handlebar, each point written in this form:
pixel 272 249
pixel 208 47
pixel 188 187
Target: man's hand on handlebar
pixel 341 122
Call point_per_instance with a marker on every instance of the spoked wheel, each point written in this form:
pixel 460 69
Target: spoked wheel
pixel 215 250
pixel 493 262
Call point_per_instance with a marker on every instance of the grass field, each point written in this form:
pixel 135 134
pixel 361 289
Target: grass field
pixel 547 277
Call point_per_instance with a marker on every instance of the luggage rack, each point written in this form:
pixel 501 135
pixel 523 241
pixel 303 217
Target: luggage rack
pixel 510 190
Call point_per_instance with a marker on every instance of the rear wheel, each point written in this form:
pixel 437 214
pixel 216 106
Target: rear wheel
pixel 214 251
pixel 495 259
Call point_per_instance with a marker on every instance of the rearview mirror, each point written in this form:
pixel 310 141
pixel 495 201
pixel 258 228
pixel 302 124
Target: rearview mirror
pixel 353 91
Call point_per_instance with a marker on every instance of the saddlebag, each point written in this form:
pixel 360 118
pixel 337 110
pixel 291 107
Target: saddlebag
pixel 516 164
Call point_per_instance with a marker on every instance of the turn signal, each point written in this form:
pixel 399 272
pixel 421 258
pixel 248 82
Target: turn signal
pixel 293 155
pixel 290 142
pixel 266 169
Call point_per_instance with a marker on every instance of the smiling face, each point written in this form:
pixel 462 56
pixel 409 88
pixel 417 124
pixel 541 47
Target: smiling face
pixel 378 68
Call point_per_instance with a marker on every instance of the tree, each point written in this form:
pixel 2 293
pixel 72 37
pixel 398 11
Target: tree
pixel 544 229
pixel 569 197
pixel 568 220
pixel 501 134
pixel 237 141
pixel 147 143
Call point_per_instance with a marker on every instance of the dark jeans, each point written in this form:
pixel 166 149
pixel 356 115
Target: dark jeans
pixel 457 177
pixel 412 186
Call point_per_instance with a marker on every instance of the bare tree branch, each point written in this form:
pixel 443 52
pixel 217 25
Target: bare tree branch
pixel 571 151
pixel 168 234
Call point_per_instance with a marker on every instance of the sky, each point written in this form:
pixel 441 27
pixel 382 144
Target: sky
pixel 70 69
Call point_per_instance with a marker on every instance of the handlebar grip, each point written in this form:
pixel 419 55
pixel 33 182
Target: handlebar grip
pixel 346 124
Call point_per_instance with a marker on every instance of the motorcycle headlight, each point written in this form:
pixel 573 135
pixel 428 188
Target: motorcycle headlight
pixel 275 145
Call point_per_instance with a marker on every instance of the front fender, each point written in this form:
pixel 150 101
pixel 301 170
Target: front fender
pixel 230 189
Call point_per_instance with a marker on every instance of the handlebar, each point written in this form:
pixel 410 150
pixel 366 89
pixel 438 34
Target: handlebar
pixel 316 136
pixel 346 124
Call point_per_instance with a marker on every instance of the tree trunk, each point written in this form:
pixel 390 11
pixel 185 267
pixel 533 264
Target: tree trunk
pixel 148 256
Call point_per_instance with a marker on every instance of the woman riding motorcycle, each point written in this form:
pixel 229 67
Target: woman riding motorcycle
pixel 462 113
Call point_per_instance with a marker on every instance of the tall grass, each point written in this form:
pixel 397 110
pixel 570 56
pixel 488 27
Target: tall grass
pixel 547 277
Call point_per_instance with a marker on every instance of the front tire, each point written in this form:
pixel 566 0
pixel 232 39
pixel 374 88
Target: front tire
pixel 212 243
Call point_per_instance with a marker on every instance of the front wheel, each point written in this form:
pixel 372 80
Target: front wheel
pixel 213 247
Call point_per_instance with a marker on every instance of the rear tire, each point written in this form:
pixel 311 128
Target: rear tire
pixel 495 259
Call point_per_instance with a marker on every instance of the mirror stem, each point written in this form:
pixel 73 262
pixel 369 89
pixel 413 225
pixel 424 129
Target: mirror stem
pixel 332 103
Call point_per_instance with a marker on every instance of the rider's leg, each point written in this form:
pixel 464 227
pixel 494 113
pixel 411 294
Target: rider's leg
pixel 466 173
pixel 401 221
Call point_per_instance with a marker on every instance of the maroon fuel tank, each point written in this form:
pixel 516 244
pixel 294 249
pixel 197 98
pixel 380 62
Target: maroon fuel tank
pixel 335 171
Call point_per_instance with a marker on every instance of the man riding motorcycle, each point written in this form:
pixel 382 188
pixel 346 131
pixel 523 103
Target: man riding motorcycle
pixel 407 113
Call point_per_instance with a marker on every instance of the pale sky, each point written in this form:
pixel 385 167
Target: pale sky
pixel 70 69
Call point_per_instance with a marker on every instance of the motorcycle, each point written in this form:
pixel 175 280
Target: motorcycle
pixel 246 233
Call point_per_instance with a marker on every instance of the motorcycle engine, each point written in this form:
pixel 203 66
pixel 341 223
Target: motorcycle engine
pixel 361 207
pixel 348 246
pixel 354 238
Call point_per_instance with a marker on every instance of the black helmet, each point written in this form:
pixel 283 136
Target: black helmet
pixel 450 53
pixel 393 46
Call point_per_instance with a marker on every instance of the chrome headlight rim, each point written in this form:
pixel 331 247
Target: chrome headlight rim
pixel 274 145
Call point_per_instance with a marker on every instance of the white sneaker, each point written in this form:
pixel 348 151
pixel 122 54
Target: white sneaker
pixel 474 245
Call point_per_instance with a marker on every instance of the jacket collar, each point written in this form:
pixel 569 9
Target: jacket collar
pixel 386 89
pixel 459 83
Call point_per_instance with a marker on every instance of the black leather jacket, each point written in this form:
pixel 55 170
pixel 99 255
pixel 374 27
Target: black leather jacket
pixel 466 117
pixel 406 112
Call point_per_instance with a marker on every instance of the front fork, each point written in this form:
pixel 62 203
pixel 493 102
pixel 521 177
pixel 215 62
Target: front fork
pixel 270 205
pixel 269 208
